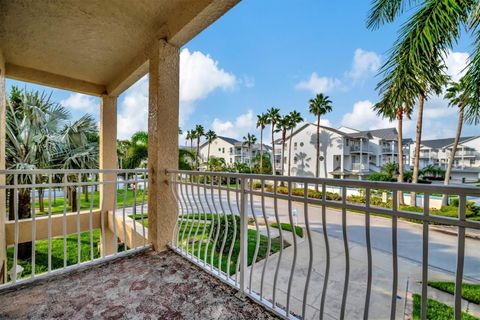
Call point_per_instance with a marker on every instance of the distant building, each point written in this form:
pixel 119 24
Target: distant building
pixel 466 166
pixel 231 150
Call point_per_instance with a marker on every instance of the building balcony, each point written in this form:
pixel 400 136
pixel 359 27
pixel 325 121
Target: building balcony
pixel 357 149
pixel 224 247
pixel 389 150
pixel 360 167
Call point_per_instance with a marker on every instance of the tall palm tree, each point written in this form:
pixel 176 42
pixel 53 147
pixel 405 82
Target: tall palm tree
pixel 459 96
pixel 190 136
pixel 199 132
pixel 283 125
pixel 319 106
pixel 416 60
pixel 391 108
pixel 295 118
pixel 273 115
pixel 249 141
pixel 210 136
pixel 262 120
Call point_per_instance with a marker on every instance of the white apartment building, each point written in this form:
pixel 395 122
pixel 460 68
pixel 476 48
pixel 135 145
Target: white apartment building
pixel 466 166
pixel 344 152
pixel 231 150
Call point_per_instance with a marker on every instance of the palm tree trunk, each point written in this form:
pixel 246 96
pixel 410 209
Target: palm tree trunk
pixel 451 158
pixel 41 205
pixel 261 150
pixel 418 140
pixel 290 152
pixel 317 162
pixel 208 152
pixel 283 154
pixel 73 199
pixel 85 192
pixel 401 200
pixel 198 156
pixel 273 151
pixel 24 211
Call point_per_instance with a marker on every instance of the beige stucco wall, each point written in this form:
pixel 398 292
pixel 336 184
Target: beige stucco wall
pixel 163 141
pixel 2 164
pixel 108 160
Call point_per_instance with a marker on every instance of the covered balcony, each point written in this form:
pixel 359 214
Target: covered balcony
pixel 170 244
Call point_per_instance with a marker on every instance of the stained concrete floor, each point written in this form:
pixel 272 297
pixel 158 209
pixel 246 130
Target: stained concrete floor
pixel 147 285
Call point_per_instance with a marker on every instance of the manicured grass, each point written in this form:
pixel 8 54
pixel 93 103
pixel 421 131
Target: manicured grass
pixel 57 205
pixel 436 310
pixel 194 216
pixel 289 227
pixel 200 238
pixel 41 253
pixel 470 292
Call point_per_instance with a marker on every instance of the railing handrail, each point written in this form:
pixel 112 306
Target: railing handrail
pixel 397 186
pixel 60 171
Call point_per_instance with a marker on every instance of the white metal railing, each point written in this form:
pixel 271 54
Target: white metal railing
pixel 226 225
pixel 71 232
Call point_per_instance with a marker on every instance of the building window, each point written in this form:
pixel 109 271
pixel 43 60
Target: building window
pixel 219 149
pixel 231 150
pixel 295 159
pixel 301 144
pixel 223 150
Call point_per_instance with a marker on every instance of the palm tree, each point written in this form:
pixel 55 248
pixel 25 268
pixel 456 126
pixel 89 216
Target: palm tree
pixel 138 150
pixel 283 125
pixel 262 120
pixel 458 95
pixel 295 118
pixel 319 106
pixel 416 60
pixel 391 107
pixel 190 136
pixel 198 133
pixel 273 115
pixel 210 136
pixel 249 141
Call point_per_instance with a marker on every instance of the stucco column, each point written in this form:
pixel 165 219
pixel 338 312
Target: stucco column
pixel 3 208
pixel 108 160
pixel 162 141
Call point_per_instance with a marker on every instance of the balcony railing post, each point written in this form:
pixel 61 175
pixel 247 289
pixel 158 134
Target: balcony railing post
pixel 243 235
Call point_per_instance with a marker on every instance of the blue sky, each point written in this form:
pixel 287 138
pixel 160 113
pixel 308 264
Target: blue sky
pixel 279 53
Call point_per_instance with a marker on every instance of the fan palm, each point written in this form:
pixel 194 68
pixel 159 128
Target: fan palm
pixel 273 115
pixel 199 132
pixel 295 118
pixel 190 136
pixel 210 136
pixel 262 120
pixel 249 141
pixel 32 129
pixel 319 106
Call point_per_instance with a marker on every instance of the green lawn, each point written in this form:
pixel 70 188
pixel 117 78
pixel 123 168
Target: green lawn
pixel 470 292
pixel 41 253
pixel 289 227
pixel 252 234
pixel 57 205
pixel 436 310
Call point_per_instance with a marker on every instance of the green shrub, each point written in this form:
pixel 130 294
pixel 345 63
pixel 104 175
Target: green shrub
pixel 470 292
pixel 379 176
pixel 229 220
pixel 436 310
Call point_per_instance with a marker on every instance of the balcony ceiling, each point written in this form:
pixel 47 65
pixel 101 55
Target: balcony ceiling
pixel 93 46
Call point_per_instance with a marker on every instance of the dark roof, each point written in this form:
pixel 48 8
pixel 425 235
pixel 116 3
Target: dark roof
pixel 384 134
pixel 229 140
pixel 442 143
pixel 361 134
pixel 407 140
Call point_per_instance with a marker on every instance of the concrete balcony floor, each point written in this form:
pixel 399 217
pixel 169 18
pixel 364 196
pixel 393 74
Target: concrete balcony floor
pixel 146 285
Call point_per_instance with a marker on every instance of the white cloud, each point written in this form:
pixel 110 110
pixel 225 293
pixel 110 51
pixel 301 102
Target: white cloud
pixel 363 117
pixel 133 112
pixel 365 63
pixel 456 63
pixel 318 84
pixel 81 102
pixel 242 124
pixel 200 75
